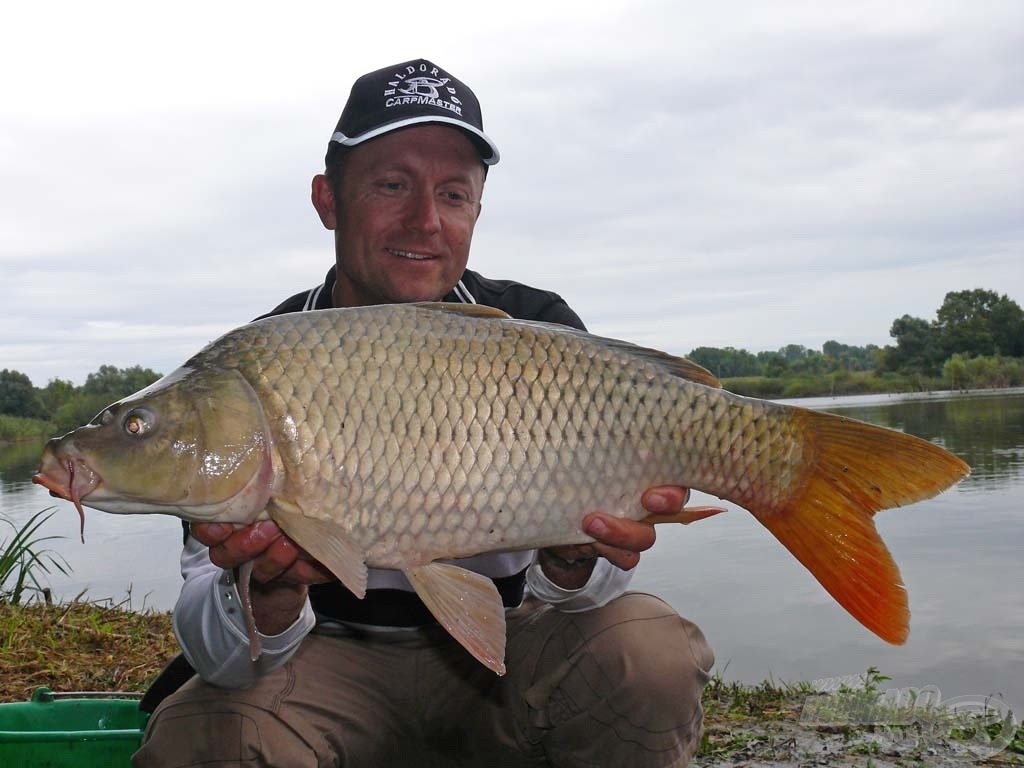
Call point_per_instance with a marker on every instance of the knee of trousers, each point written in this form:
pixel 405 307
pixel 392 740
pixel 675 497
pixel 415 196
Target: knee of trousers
pixel 201 724
pixel 634 655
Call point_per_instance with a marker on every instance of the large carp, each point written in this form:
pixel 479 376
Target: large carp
pixel 397 436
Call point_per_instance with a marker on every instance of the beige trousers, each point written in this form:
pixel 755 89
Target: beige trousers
pixel 616 686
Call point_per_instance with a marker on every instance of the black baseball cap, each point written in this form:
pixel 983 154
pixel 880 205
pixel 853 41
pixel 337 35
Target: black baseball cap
pixel 408 94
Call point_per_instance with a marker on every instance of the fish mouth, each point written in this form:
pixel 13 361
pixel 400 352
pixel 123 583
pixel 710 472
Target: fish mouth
pixel 67 477
pixel 411 255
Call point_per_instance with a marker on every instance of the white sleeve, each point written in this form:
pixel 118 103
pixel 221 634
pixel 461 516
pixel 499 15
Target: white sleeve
pixel 607 581
pixel 211 631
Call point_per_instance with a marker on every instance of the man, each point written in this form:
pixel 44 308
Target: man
pixel 595 676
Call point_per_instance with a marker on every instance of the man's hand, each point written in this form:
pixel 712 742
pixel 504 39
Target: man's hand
pixel 281 570
pixel 615 539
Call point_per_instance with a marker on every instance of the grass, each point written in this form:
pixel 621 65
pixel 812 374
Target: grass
pixel 81 646
pixel 793 724
pixel 23 561
pixel 18 428
pixel 830 384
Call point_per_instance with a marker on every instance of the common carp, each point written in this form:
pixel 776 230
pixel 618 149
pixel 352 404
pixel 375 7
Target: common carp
pixel 396 436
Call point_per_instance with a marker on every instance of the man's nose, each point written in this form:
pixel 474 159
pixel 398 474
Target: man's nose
pixel 423 214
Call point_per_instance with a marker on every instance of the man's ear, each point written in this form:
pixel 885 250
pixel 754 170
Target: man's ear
pixel 322 195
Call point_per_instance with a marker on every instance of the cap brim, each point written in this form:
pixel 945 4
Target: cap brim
pixel 480 139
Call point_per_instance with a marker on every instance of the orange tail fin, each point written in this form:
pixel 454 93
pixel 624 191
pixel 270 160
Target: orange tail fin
pixel 854 470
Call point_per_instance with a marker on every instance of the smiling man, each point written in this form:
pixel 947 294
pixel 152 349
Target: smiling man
pixel 596 676
pixel 403 215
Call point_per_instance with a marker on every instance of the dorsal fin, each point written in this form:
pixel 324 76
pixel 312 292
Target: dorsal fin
pixel 677 366
pixel 469 310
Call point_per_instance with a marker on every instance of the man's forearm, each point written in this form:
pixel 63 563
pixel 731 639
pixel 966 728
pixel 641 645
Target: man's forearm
pixel 277 605
pixel 211 631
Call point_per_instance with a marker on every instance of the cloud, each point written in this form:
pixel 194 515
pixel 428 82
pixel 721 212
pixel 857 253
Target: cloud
pixel 745 174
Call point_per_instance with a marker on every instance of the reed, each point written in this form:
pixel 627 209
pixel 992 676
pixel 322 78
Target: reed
pixel 22 560
pixel 19 428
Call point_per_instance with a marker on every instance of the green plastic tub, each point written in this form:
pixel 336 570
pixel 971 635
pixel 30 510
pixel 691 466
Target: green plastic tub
pixel 78 730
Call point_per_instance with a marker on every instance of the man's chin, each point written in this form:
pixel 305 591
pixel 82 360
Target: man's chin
pixel 417 293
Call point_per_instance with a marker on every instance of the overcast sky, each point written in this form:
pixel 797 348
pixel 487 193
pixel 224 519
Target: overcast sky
pixel 747 174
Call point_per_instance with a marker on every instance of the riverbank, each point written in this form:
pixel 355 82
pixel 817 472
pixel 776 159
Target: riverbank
pixel 15 429
pixel 108 647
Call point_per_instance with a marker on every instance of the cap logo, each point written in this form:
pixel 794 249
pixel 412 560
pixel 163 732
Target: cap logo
pixel 425 88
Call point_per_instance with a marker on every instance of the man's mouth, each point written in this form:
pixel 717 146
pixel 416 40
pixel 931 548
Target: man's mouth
pixel 412 255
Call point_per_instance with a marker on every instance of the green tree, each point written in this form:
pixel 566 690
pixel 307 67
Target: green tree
pixel 917 346
pixel 118 382
pixel 102 387
pixel 813 362
pixel 793 352
pixel 980 323
pixel 850 358
pixel 55 394
pixel 17 395
pixel 964 323
pixel 772 364
pixel 1008 327
pixel 955 372
pixel 727 362
pixel 834 349
pixel 79 410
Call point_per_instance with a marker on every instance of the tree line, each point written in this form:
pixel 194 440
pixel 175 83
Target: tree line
pixel 975 340
pixel 64 406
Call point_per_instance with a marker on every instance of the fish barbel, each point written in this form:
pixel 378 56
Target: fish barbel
pixel 396 436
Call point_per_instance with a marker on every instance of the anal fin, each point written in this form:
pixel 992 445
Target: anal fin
pixel 468 606
pixel 685 516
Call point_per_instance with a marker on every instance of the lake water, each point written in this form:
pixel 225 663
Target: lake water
pixel 960 555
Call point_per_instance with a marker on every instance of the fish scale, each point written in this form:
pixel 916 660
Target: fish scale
pixel 597 445
pixel 399 436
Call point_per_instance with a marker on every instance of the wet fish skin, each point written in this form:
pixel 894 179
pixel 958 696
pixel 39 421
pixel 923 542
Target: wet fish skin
pixel 398 435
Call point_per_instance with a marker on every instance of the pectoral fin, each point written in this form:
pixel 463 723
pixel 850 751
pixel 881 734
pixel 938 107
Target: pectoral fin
pixel 468 606
pixel 324 540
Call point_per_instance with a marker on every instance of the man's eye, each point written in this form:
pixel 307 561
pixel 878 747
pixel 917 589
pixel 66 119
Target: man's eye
pixel 455 197
pixel 391 187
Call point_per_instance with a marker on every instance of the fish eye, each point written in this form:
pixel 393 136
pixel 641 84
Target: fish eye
pixel 138 421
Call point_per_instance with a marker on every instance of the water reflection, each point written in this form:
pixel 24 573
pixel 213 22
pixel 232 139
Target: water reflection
pixel 986 432
pixel 18 462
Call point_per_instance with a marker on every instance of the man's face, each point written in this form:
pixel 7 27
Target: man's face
pixel 403 215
